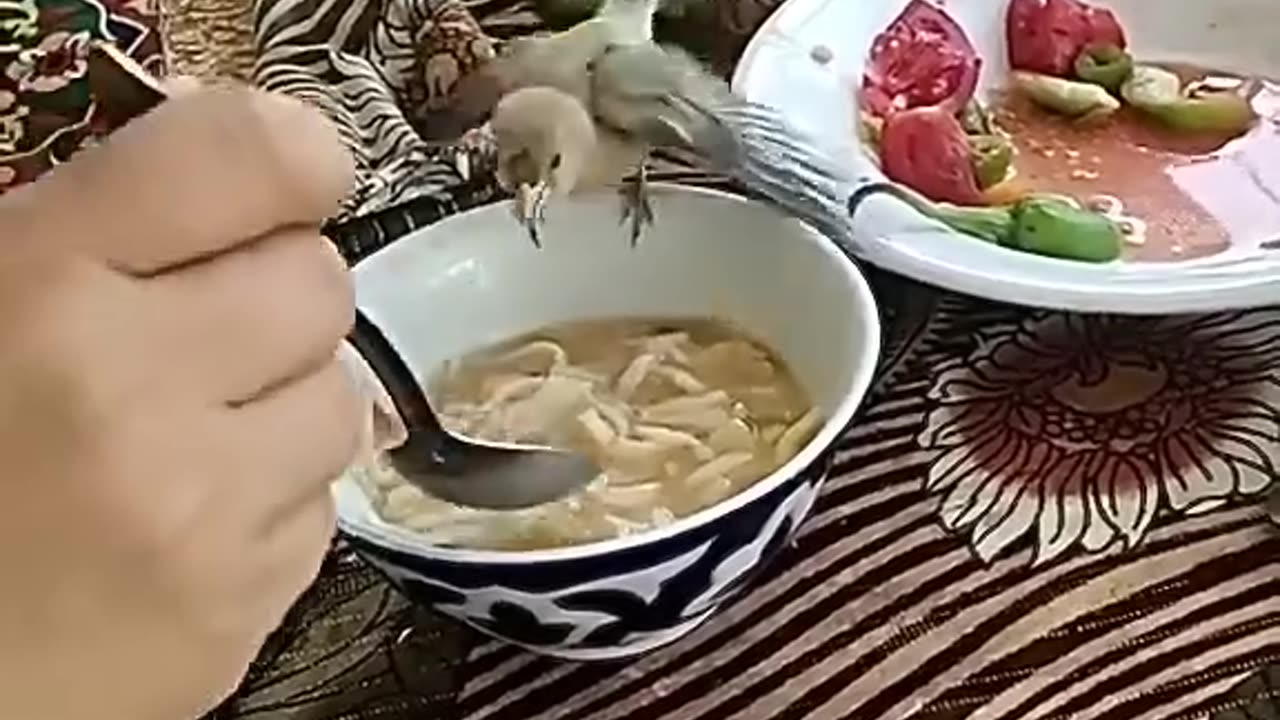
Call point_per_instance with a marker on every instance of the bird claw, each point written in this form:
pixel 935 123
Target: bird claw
pixel 532 227
pixel 475 153
pixel 531 210
pixel 636 207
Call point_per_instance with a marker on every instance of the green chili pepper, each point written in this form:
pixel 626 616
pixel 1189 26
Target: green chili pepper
pixel 1150 86
pixel 1056 228
pixel 992 224
pixel 1066 97
pixel 869 130
pixel 1105 65
pixel 1038 224
pixel 991 155
pixel 989 150
pixel 1159 93
pixel 976 120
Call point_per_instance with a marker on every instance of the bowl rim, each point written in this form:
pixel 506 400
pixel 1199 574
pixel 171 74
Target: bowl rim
pixel 407 541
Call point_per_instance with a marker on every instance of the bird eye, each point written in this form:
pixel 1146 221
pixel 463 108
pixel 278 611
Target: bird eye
pixel 555 161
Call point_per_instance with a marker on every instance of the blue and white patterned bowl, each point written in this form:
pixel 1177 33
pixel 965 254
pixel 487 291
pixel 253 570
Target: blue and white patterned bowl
pixel 474 279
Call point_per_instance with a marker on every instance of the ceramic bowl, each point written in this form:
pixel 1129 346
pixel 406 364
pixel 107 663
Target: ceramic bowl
pixel 475 279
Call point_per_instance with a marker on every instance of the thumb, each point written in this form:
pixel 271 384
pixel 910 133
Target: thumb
pixel 383 428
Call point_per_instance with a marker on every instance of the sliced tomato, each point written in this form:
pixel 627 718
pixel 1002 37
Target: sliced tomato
pixel 1104 28
pixel 927 150
pixel 1046 36
pixel 922 59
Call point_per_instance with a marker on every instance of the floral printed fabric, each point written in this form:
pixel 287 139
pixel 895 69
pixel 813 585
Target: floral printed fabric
pixel 46 111
pixel 1078 430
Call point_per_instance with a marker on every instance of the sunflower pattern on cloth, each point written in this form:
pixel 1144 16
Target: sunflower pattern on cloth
pixel 46 112
pixel 1077 430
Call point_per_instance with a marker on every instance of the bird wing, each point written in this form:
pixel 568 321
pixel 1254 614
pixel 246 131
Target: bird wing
pixel 630 21
pixel 645 90
pixel 560 60
pixel 662 97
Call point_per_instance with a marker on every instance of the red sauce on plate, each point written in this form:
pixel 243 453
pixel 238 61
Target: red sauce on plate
pixel 1195 194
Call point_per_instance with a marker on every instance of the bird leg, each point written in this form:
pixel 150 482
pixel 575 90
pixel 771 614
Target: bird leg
pixel 636 207
pixel 531 209
pixel 475 152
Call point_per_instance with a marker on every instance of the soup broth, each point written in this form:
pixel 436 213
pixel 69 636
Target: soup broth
pixel 1180 196
pixel 679 413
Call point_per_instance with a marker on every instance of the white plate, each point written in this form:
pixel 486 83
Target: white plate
pixel 777 69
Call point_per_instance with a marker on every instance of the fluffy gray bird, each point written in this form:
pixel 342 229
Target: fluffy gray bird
pixel 583 109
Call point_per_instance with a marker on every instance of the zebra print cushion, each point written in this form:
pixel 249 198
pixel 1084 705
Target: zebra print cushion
pixel 366 64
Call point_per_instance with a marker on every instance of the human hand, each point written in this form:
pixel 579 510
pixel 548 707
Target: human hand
pixel 383 428
pixel 171 405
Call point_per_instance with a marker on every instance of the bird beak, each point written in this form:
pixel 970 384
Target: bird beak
pixel 530 208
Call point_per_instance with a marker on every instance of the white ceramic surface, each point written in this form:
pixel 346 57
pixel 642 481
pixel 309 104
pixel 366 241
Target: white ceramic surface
pixel 777 69
pixel 474 279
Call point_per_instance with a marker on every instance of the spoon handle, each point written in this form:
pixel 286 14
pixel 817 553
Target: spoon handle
pixel 396 377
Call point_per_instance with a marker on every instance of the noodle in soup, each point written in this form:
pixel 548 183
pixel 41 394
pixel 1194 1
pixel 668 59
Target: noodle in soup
pixel 679 413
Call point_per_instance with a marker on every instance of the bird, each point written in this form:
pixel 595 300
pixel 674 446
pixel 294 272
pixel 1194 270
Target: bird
pixel 585 108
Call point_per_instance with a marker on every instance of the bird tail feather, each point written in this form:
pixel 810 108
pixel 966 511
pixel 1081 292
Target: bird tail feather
pixel 774 160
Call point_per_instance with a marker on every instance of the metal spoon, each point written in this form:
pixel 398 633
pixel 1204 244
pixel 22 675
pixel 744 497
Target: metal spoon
pixel 460 470
pixel 464 471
